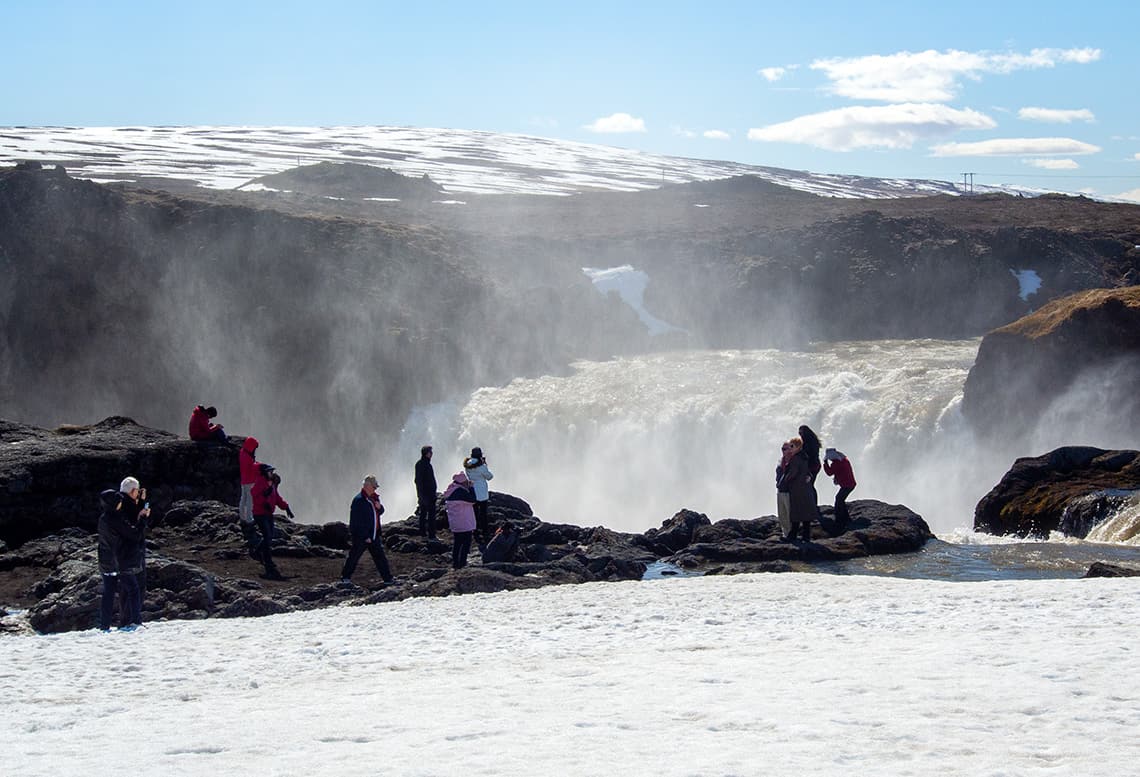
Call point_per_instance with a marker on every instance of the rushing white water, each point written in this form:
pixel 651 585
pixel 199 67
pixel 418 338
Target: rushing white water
pixel 628 442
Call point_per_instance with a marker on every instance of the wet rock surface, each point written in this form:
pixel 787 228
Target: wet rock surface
pixel 1070 489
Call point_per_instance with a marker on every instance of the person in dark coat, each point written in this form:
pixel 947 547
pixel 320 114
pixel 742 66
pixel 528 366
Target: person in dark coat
pixel 364 525
pixel 265 500
pixel 128 524
pixel 838 467
pixel 425 493
pixel 201 428
pixel 795 480
pixel 503 545
pixel 114 533
pixel 811 449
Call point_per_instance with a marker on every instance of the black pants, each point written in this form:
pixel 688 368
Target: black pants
pixel 130 607
pixel 376 548
pixel 425 511
pixel 842 516
pixel 264 550
pixel 460 547
pixel 481 534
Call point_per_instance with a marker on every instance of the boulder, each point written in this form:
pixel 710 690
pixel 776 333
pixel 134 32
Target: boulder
pixel 1023 367
pixel 1104 569
pixel 677 532
pixel 1069 489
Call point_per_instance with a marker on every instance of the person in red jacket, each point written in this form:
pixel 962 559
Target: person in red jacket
pixel 201 429
pixel 838 467
pixel 265 501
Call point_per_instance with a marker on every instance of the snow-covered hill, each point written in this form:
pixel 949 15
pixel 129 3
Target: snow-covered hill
pixel 460 160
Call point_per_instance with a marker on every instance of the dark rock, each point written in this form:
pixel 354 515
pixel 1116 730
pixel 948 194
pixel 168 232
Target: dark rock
pixel 876 528
pixel 677 532
pixel 1025 366
pixel 51 479
pixel 1032 498
pixel 1104 569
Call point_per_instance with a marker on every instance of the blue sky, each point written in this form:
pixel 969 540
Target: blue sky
pixel 1031 93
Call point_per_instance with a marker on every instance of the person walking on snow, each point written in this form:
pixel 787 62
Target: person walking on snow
pixel 476 470
pixel 425 493
pixel 265 500
pixel 459 499
pixel 838 467
pixel 364 525
pixel 201 429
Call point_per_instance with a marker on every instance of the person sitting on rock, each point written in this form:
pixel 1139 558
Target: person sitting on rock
pixel 265 500
pixel 364 526
pixel 201 429
pixel 838 467
pixel 503 545
pixel 459 500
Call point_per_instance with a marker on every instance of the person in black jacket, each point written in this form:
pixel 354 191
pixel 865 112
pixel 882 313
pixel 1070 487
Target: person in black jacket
pixel 364 525
pixel 425 493
pixel 122 534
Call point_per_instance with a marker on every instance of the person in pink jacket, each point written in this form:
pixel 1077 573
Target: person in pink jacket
pixel 459 500
pixel 838 467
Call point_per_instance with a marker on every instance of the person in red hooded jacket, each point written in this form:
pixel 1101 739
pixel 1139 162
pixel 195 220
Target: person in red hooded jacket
pixel 201 429
pixel 839 467
pixel 265 500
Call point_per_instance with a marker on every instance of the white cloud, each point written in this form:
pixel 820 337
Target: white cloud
pixel 1136 157
pixel 773 73
pixel 1056 115
pixel 616 123
pixel 684 133
pixel 1017 147
pixel 932 76
pixel 1131 196
pixel 880 126
pixel 1052 164
pixel 717 135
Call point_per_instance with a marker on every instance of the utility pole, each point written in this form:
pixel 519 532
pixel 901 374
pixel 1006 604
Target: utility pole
pixel 967 187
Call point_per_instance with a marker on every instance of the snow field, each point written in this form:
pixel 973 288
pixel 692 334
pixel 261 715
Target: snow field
pixel 755 674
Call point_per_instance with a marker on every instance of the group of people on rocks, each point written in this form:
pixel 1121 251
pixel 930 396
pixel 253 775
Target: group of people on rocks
pixel 125 512
pixel 797 501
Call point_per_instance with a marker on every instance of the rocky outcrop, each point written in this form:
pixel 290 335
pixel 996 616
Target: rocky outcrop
pixel 51 479
pixel 755 545
pixel 349 179
pixel 1024 367
pixel 1069 489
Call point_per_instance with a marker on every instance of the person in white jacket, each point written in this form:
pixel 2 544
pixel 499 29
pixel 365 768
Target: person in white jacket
pixel 475 466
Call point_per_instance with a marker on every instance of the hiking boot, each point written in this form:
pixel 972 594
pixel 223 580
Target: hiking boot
pixel 273 574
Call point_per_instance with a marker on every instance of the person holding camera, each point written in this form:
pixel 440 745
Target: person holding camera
pixel 122 553
pixel 475 467
pixel 265 500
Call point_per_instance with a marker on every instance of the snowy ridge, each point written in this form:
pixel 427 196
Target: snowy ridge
pixel 459 160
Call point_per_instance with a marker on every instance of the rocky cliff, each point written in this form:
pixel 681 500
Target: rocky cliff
pixel 1070 489
pixel 1086 346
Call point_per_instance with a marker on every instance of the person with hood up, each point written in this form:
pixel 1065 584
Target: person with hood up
pixel 364 525
pixel 475 467
pixel 201 429
pixel 248 471
pixel 265 500
pixel 795 480
pixel 459 500
pixel 838 467
pixel 425 493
